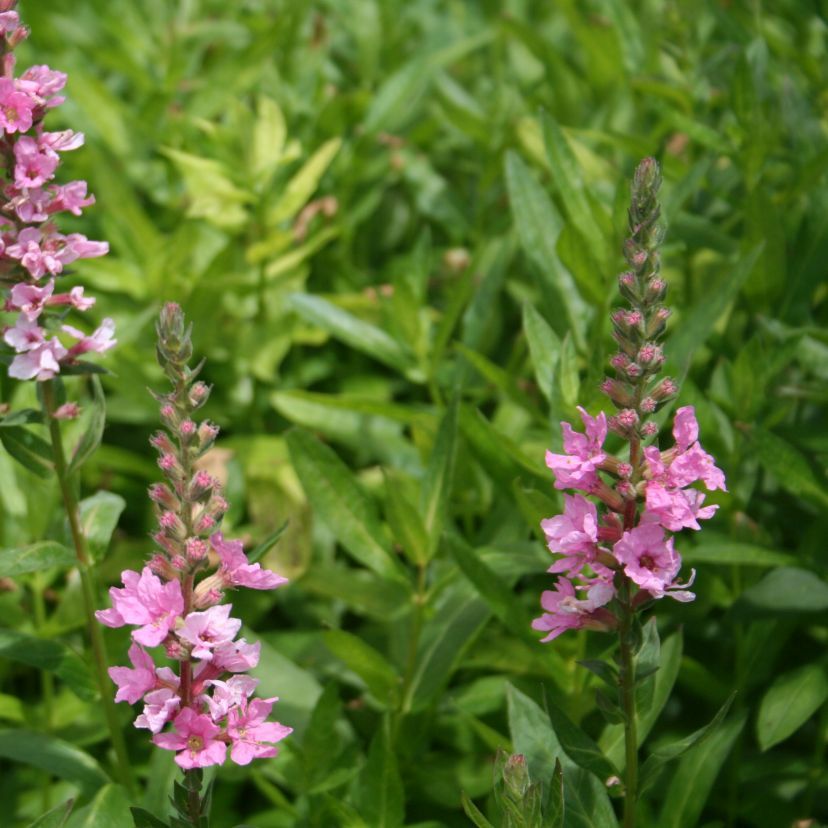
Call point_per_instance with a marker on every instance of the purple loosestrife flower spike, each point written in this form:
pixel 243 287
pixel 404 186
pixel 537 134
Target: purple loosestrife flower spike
pixel 622 547
pixel 176 601
pixel 33 253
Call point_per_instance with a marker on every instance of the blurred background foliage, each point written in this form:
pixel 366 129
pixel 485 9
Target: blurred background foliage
pixel 396 228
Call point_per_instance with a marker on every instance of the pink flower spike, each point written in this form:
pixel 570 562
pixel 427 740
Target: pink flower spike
pixel 251 736
pixel 145 602
pixel 134 683
pixel 237 571
pixel 195 740
pixel 204 631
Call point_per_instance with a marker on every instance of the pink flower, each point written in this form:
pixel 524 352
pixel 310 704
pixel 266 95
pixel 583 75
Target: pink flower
pixel 204 631
pixel 229 694
pixel 40 363
pixel 251 736
pixel 62 141
pixel 77 246
pixel 195 739
pixel 236 656
pixel 237 571
pixel 15 108
pixel 75 298
pixel 30 299
pixel 43 83
pixel 146 602
pixel 676 509
pixel 9 21
pixel 573 534
pixel 71 197
pixel 99 341
pixel 134 683
pixel 651 562
pixel 577 468
pixel 33 166
pixel 33 252
pixel 159 707
pixel 564 611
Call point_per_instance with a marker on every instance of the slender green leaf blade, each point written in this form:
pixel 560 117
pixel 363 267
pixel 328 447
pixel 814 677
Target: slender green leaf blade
pixel 56 818
pixel 34 558
pixel 91 437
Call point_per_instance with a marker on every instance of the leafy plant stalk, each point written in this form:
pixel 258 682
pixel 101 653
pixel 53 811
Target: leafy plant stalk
pixel 627 691
pixel 70 505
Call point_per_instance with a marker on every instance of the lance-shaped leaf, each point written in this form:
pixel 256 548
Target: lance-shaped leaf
pixel 473 812
pixel 341 504
pixel 34 558
pixel 371 666
pixel 381 794
pixel 30 450
pixel 56 818
pixel 545 350
pixel 554 809
pixel 587 802
pixel 91 437
pixel 667 753
pixel 579 746
pixel 99 516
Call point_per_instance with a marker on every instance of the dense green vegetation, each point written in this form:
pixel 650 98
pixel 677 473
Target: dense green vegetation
pixel 396 228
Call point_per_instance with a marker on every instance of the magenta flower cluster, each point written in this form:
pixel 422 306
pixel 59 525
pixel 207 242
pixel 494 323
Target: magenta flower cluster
pixel 33 253
pixel 175 601
pixel 625 552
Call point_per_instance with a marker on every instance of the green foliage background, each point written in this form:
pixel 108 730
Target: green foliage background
pixel 391 363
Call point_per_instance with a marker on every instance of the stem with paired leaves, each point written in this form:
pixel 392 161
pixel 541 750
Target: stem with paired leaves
pixel 72 508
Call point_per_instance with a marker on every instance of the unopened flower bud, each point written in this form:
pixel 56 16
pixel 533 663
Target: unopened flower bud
pixel 168 463
pixel 199 393
pixel 169 545
pixel 650 356
pixel 625 470
pixel 161 566
pixel 187 430
pixel 168 415
pixel 656 288
pixel 648 405
pixel 175 650
pixel 18 36
pixel 516 776
pixel 206 523
pixel 619 361
pixel 649 429
pixel 625 489
pixel 627 418
pixel 196 549
pixel 207 433
pixel 619 392
pixel 633 370
pixel 172 525
pixel 201 485
pixel 180 563
pixel 67 411
pixel 161 441
pixel 664 390
pixel 163 496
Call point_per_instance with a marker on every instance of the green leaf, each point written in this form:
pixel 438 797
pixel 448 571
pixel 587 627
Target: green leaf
pixel 492 587
pixel 788 465
pixel 554 811
pixel 608 673
pixel 533 736
pixel 381 793
pixel 698 323
pixel 436 488
pixel 99 518
pixel 91 438
pixel 789 702
pixel 406 524
pixel 34 558
pixel 31 451
pixel 359 335
pixel 586 800
pixel 473 812
pixel 341 504
pixel 538 226
pixel 144 819
pixel 56 818
pixel 786 590
pixel 569 181
pixel 545 350
pixel 733 553
pixel 51 656
pixel 695 775
pixel 109 809
pixel 579 746
pixel 380 677
pixel 53 755
pixel 269 134
pixel 667 753
pixel 303 184
pixel 267 544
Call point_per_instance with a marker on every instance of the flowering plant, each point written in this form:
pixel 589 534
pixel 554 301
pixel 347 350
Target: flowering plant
pixel 175 601
pixel 617 555
pixel 33 253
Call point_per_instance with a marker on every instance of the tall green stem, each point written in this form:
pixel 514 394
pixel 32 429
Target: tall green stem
pixel 627 679
pixel 70 504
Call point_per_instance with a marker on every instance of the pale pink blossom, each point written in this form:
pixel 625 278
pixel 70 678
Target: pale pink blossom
pixel 9 21
pixel 228 694
pixel 235 569
pixel 146 602
pixel 573 534
pixel 62 141
pixel 676 509
pixel 204 631
pixel 577 469
pixel 565 611
pixel 101 340
pixel 195 740
pixel 75 298
pixel 134 682
pixel 40 363
pixel 30 299
pixel 251 736
pixel 34 165
pixel 650 561
pixel 71 197
pixel 77 246
pixel 237 656
pixel 43 84
pixel 159 707
pixel 34 253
